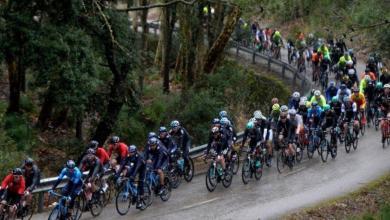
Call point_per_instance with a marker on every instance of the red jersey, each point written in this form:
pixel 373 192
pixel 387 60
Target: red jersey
pixel 121 150
pixel 102 155
pixel 18 188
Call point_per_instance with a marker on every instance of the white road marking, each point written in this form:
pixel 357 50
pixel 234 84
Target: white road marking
pixel 199 204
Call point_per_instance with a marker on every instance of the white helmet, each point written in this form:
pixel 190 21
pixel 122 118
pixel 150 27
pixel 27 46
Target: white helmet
pixel 317 93
pixel 303 99
pixel 349 63
pixel 284 108
pixel 257 114
pixel 386 86
pixel 252 120
pixel 296 95
pixel 292 112
pixel 351 71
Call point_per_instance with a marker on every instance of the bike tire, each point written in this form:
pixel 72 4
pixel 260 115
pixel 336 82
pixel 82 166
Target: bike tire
pixel 362 129
pixel 78 207
pixel 189 170
pixel 166 194
pixel 55 214
pixel 236 164
pixel 355 141
pixel 228 178
pixel 148 196
pixel 110 191
pixel 175 178
pixel 280 161
pixel 210 177
pixel 348 142
pixel 97 204
pixel 299 154
pixel 259 171
pixel 123 198
pixel 246 171
pixel 324 152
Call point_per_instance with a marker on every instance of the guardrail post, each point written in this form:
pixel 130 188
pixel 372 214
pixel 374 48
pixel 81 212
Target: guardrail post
pixel 254 56
pixel 238 49
pixel 269 62
pixel 40 202
pixel 283 69
pixel 295 77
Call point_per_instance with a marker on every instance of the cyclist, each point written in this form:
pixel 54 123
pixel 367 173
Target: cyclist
pixel 273 102
pixel 323 49
pixel 349 114
pixel 330 118
pixel 286 131
pixel 367 72
pixel 315 59
pixel 277 39
pixel 157 155
pixel 274 115
pixel 314 115
pixel 302 110
pixel 294 100
pixel 383 101
pixel 343 61
pixel 353 77
pixel 378 90
pixel 364 83
pixel 220 145
pixel 385 77
pixel 372 64
pixel 12 188
pixel 264 127
pixel 166 139
pixel 74 185
pixel 101 153
pixel 32 176
pixel 331 91
pixel 336 105
pixel 181 138
pixel 117 152
pixel 360 101
pixel 92 163
pixel 320 99
pixel 343 92
pixel 134 165
pixel 296 120
pixel 253 133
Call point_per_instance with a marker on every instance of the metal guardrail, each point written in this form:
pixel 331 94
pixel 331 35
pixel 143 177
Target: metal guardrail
pixel 195 152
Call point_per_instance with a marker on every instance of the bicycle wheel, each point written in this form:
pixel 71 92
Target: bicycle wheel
pixel 110 192
pixel 123 200
pixel 211 179
pixel 280 161
pixel 167 188
pixel 228 178
pixel 310 150
pixel 333 147
pixel 299 153
pixel 246 171
pixel 355 141
pixel 175 178
pixel 79 204
pixel 362 129
pixel 147 199
pixel 97 203
pixel 235 163
pixel 259 170
pixel 55 214
pixel 189 170
pixel 348 142
pixel 324 146
pixel 28 212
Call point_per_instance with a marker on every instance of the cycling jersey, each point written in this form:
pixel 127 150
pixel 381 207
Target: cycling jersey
pixel 349 111
pixel 14 187
pixel 121 151
pixel 102 154
pixel 359 99
pixel 74 176
pixel 321 100
pixel 159 155
pixel 32 177
pixel 94 166
pixel 371 74
pixel 330 92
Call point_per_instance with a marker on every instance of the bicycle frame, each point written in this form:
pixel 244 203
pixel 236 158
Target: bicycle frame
pixel 61 205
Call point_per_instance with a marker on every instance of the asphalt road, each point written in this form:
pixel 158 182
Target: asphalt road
pixel 275 194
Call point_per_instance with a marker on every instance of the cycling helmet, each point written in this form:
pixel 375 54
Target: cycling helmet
pixel 351 71
pixel 215 121
pixel 346 53
pixel 345 78
pixel 223 114
pixel 355 89
pixel 326 107
pixel 215 130
pixel 70 164
pixel 162 129
pixel 346 99
pixel 114 139
pixel 274 100
pixel 175 123
pixel 386 86
pixel 17 171
pixel 314 104
pixel 317 93
pixel 284 108
pixel 153 141
pixel 152 134
pixel 250 125
pixel 132 149
pixel 292 112
pixel 332 83
pixel 225 121
pixel 367 78
pixel 349 63
pixel 257 114
pixel 350 51
pixel 252 120
pixel 343 86
pixel 93 144
pixel 28 161
pixel 302 103
pixel 276 107
pixel 296 95
pixel 379 85
pixel 91 151
pixel 335 99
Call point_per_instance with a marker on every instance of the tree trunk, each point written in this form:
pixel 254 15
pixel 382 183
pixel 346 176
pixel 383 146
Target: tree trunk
pixel 14 83
pixel 216 50
pixel 46 110
pixel 144 42
pixel 79 128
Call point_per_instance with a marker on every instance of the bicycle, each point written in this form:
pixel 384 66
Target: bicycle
pixel 283 158
pixel 276 51
pixel 128 194
pixel 179 169
pixel 95 203
pixel 314 142
pixel 385 130
pixel 215 173
pixel 153 180
pixel 324 78
pixel 301 63
pixel 233 160
pixel 60 211
pixel 362 123
pixel 333 141
pixel 28 208
pixel 302 143
pixel 253 164
pixel 351 137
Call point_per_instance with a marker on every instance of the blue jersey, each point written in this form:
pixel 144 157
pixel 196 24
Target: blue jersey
pixel 74 177
pixel 317 112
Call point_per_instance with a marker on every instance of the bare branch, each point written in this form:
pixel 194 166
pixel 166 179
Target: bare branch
pixel 161 5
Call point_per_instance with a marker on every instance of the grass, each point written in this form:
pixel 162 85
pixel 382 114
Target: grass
pixel 369 202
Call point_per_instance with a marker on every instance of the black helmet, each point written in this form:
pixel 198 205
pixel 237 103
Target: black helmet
pixel 17 171
pixel 28 161
pixel 70 164
pixel 91 151
pixel 93 144
pixel 114 139
pixel 153 141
